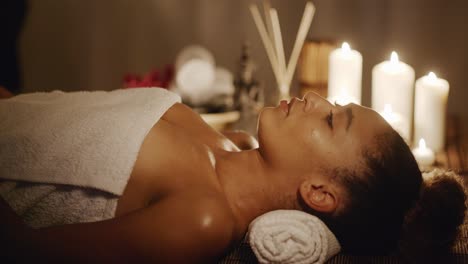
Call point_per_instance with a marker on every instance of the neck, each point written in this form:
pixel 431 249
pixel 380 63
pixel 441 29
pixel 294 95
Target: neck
pixel 252 187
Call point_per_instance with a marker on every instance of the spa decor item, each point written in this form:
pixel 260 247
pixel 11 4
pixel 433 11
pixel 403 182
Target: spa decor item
pixel 393 83
pixel 313 67
pixel 201 83
pixel 249 95
pixel 273 43
pixel 394 119
pixel 195 73
pixel 154 78
pixel 220 121
pixel 248 91
pixel 423 155
pixel 216 109
pixel 345 75
pixel 430 110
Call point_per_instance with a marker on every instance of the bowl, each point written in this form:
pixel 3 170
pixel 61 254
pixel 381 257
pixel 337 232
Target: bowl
pixel 220 121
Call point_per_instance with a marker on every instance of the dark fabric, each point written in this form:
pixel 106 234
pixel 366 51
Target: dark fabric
pixel 12 13
pixel 240 254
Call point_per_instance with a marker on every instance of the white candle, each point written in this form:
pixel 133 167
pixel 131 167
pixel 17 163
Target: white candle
pixel 430 109
pixel 392 83
pixel 345 74
pixel 195 73
pixel 423 155
pixel 343 99
pixel 395 120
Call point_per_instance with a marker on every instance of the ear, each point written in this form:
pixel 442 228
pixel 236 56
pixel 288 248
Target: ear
pixel 320 195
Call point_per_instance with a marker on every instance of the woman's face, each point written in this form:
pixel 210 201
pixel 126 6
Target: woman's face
pixel 310 133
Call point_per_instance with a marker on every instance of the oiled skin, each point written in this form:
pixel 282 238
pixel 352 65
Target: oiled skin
pixel 173 209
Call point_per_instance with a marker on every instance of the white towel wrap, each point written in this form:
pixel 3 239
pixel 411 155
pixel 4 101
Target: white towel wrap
pixel 87 139
pixel 291 236
pixel 43 205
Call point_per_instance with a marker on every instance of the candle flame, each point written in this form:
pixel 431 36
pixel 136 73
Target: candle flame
pixel 432 76
pixel 422 143
pixel 345 46
pixel 343 100
pixel 394 57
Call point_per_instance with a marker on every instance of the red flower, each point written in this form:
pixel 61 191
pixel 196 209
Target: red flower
pixel 131 81
pixel 151 79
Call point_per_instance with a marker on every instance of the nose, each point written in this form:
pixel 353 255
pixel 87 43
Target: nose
pixel 316 100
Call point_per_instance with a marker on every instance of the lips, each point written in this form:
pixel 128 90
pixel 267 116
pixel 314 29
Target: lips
pixel 293 100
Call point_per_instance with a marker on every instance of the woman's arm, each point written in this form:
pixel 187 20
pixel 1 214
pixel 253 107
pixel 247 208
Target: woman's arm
pixel 182 229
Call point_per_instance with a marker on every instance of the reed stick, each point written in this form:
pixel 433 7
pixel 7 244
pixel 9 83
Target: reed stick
pixel 301 35
pixel 266 40
pixel 273 42
pixel 279 47
pixel 268 21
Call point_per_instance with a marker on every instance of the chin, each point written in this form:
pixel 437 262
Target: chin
pixel 265 116
pixel 262 122
pixel 268 119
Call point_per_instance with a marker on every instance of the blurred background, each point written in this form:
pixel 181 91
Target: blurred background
pixel 91 44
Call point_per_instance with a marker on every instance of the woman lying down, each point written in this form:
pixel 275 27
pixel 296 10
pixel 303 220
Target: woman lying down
pixel 136 176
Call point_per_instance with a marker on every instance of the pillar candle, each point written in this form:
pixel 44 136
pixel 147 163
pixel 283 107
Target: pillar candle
pixel 345 74
pixel 430 110
pixel 392 83
pixel 394 119
pixel 423 155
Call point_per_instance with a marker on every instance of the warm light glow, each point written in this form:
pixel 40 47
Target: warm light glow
pixel 422 143
pixel 343 98
pixel 388 114
pixel 394 58
pixel 432 76
pixel 387 109
pixel 345 46
pixel 423 155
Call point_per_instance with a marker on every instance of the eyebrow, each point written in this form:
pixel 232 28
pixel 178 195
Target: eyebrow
pixel 349 117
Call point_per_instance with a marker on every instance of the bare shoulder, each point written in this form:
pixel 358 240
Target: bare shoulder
pixel 199 224
pixel 211 216
pixel 180 112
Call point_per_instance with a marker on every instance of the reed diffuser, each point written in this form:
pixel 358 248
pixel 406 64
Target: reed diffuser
pixel 273 43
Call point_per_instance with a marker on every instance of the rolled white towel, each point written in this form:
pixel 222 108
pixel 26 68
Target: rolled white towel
pixel 291 236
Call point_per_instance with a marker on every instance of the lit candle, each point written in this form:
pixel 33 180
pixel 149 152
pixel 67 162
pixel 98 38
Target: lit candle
pixel 392 83
pixel 195 74
pixel 345 74
pixel 423 155
pixel 395 120
pixel 343 98
pixel 430 109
